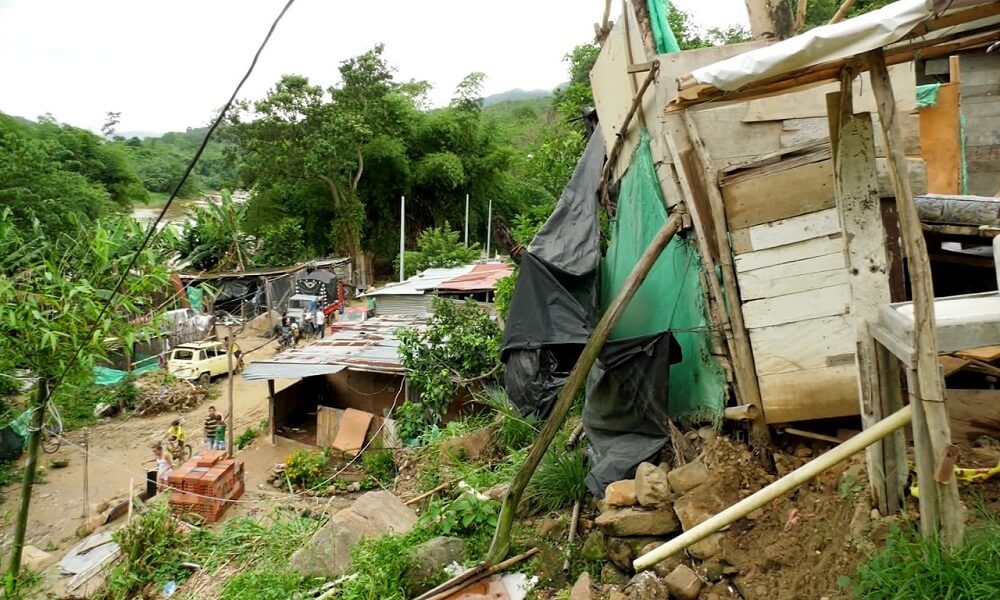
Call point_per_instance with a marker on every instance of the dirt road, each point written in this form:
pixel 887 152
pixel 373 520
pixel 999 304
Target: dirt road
pixel 120 453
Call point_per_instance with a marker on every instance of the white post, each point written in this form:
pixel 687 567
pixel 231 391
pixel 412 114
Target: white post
pixel 402 238
pixel 489 219
pixel 466 220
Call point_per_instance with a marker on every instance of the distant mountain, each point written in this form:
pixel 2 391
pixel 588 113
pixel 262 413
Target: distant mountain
pixel 139 134
pixel 515 94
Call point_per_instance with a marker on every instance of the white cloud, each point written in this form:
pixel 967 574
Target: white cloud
pixel 168 64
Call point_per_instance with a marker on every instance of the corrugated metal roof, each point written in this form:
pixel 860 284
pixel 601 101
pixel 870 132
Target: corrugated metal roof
pixel 422 282
pixel 370 346
pixel 273 370
pixel 481 278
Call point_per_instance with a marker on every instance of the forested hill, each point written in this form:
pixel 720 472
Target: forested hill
pixel 160 161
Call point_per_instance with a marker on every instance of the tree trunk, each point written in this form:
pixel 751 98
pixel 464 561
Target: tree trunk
pixel 770 19
pixel 21 526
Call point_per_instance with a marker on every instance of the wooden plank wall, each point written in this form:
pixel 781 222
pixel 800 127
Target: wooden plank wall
pixel 980 91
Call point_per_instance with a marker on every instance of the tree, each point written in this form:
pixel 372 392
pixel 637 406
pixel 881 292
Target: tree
pixel 281 244
pixel 469 93
pixel 819 12
pixel 439 247
pixel 110 123
pixel 215 239
pixel 53 319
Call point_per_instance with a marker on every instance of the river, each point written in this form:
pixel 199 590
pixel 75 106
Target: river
pixel 177 213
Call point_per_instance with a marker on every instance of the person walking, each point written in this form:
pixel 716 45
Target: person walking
pixel 320 320
pixel 212 422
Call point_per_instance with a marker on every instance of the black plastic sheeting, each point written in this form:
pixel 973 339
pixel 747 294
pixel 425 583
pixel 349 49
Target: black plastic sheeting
pixel 11 444
pixel 625 416
pixel 553 311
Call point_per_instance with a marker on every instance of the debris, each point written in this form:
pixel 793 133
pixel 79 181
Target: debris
pixel 627 522
pixel 169 588
pixel 34 559
pixel 688 477
pixel 647 586
pixel 792 520
pixel 159 392
pixel 684 583
pixel 89 552
pixel 651 486
pixel 621 493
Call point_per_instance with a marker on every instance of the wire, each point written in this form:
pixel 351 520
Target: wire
pixel 173 195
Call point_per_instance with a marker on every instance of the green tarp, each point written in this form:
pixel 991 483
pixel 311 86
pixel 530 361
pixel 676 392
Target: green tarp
pixel 670 298
pixel 663 35
pixel 196 296
pixel 927 95
pixel 106 376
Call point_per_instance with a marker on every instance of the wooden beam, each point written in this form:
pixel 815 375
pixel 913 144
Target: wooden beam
pixel 746 375
pixel 841 12
pixel 640 68
pixel 500 545
pixel 928 375
pixel 855 190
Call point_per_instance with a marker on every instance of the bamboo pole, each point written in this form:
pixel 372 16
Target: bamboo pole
pixel 743 365
pixel 780 487
pixel 501 538
pixel 841 12
pixel 924 336
pixel 21 525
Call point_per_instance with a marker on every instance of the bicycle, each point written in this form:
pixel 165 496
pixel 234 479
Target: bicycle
pixel 51 437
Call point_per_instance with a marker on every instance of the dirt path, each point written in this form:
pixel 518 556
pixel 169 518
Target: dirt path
pixel 120 450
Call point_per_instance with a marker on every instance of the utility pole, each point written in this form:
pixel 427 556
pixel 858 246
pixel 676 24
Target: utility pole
pixel 402 238
pixel 466 220
pixel 34 439
pixel 489 219
pixel 229 425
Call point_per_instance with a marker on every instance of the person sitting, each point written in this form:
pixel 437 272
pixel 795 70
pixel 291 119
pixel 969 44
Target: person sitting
pixel 176 449
pixel 176 431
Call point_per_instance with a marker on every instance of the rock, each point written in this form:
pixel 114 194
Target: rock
pixel 708 547
pixel 89 526
pixel 612 575
pixel 706 433
pixel 665 566
pixel 714 571
pixel 581 589
pixel 861 519
pixel 593 547
pixel 755 514
pixel 328 552
pixel 497 492
pixel 331 490
pixel 803 451
pixel 621 493
pixel 616 595
pixel 651 486
pixel 646 586
pixel 35 559
pixel 688 477
pixel 353 487
pixel 471 446
pixel 100 507
pixel 625 522
pixel 702 502
pixel 548 526
pixel 429 558
pixel 623 550
pixel 684 583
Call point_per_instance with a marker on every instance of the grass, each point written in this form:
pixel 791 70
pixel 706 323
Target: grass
pixel 379 465
pixel 10 472
pixel 514 432
pixel 558 482
pixel 910 566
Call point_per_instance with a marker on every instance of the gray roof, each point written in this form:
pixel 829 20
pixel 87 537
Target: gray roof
pixel 369 346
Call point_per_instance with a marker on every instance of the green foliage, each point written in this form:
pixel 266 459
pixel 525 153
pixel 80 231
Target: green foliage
pixel 911 566
pixel 504 293
pixel 514 432
pixel 266 585
pixel 246 438
pixel 690 36
pixel 558 482
pixel 379 464
pixel 152 550
pixel 160 162
pixel 379 567
pixel 215 239
pixel 10 472
pixel 461 517
pixel 438 247
pixel 77 400
pixel 460 341
pixel 281 244
pixel 307 468
pixel 571 100
pixel 819 12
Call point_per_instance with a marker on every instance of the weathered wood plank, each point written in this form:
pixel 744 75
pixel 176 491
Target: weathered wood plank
pixel 769 198
pixel 941 140
pixel 959 210
pixel 820 224
pixel 803 345
pixel 789 253
pixel 810 129
pixel 814 264
pixel 797 307
pixel 812 394
pixel 754 287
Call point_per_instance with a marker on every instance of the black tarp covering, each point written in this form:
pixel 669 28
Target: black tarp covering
pixel 625 415
pixel 11 444
pixel 552 311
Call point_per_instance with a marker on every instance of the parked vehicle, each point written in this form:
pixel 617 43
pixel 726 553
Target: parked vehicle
pixel 198 361
pixel 352 317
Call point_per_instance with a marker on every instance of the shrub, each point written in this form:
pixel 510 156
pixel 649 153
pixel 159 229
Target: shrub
pixel 379 464
pixel 558 482
pixel 245 438
pixel 151 552
pixel 910 566
pixel 307 468
pixel 515 432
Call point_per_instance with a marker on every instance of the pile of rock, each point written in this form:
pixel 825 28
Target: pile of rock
pixel 639 514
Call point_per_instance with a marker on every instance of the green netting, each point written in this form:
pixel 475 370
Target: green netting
pixel 196 296
pixel 671 296
pixel 663 35
pixel 20 424
pixel 106 376
pixel 927 95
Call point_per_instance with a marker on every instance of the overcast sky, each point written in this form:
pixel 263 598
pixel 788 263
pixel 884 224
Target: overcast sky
pixel 168 64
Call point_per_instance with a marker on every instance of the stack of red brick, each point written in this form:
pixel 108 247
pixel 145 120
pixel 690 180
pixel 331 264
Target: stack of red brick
pixel 206 485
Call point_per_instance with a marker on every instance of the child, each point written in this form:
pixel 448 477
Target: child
pixel 220 435
pixel 176 431
pixel 163 467
pixel 175 448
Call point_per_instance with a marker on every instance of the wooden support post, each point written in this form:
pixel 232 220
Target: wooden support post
pixel 272 427
pixel 743 364
pixel 21 524
pixel 230 419
pixel 931 385
pixel 856 192
pixel 501 538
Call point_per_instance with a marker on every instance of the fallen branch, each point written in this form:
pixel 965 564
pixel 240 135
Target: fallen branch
pixel 480 571
pixel 443 486
pixel 574 520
